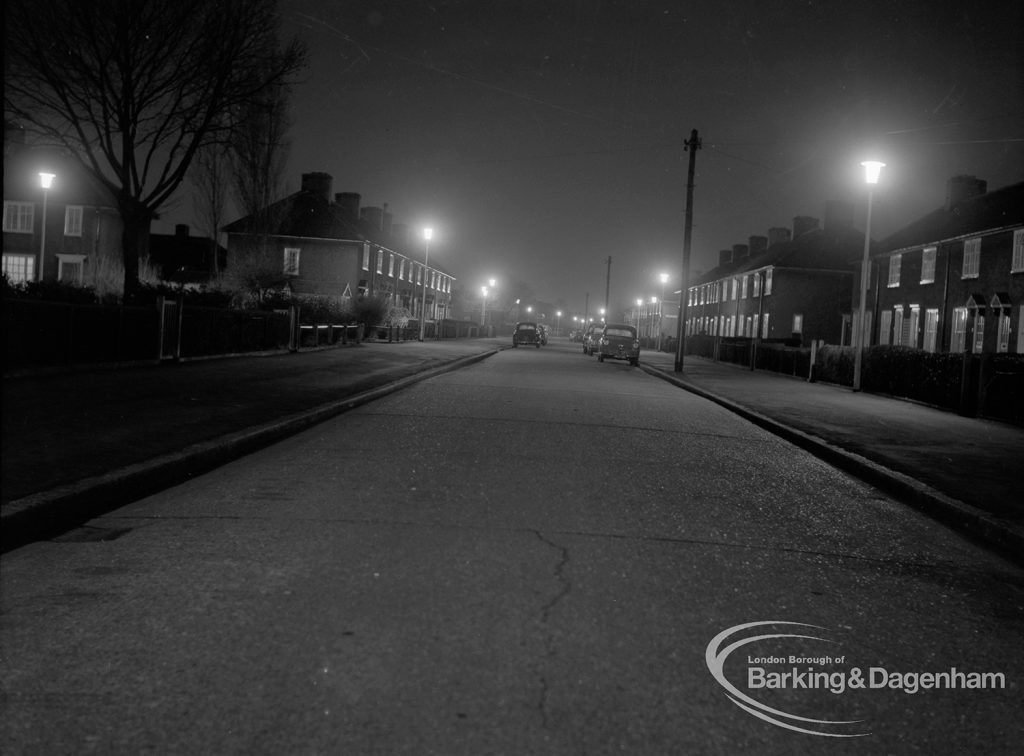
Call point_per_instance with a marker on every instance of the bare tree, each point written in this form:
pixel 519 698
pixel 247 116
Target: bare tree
pixel 134 88
pixel 209 177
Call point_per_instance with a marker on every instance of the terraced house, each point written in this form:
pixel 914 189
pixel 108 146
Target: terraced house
pixel 953 280
pixel 319 244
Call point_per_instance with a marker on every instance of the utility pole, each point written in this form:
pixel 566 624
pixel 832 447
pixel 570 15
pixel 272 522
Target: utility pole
pixel 607 286
pixel 586 311
pixel 692 144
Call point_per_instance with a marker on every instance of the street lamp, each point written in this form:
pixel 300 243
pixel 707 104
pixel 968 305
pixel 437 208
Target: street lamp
pixel 601 311
pixel 663 277
pixel 46 181
pixel 428 234
pixel 558 321
pixel 872 169
pixel 483 308
pixel 639 311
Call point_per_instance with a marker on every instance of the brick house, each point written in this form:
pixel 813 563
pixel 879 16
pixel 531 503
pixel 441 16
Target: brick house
pixel 186 259
pixel 327 245
pixel 83 227
pixel 784 286
pixel 953 280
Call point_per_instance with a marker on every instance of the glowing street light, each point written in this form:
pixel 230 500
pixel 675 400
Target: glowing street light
pixel 428 234
pixel 558 321
pixel 872 171
pixel 46 181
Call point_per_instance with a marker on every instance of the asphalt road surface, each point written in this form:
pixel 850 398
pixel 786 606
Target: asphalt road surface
pixel 535 554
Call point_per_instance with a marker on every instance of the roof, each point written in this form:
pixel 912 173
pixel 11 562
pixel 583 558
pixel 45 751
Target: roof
pixel 820 249
pixel 1001 208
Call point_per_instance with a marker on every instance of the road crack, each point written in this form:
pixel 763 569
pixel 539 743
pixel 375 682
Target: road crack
pixel 564 588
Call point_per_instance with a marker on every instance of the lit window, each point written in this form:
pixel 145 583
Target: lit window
pixel 764 326
pixel 19 217
pixel 768 281
pixel 897 326
pixel 1017 265
pixel 391 265
pixel 931 329
pixel 735 288
pixel 798 323
pixel 366 258
pixel 894 270
pixel 19 268
pixel 743 292
pixel 972 258
pixel 958 340
pixel 291 261
pixel 928 265
pixel 401 269
pixel 979 333
pixel 73 220
pixel 757 284
pixel 380 260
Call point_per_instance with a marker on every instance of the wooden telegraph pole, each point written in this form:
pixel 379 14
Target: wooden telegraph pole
pixel 692 144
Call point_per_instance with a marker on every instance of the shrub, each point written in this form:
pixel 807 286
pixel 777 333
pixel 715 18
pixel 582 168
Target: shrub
pixel 50 291
pixel 370 310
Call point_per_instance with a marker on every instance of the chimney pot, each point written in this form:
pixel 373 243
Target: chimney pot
pixel 318 184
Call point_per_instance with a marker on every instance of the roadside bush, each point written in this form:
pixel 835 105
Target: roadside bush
pixel 370 310
pixel 835 365
pixel 50 291
pixel 320 310
pixel 930 377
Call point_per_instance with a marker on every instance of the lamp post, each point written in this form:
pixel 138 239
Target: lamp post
pixel 483 307
pixel 428 234
pixel 558 321
pixel 46 181
pixel 639 312
pixel 663 277
pixel 872 169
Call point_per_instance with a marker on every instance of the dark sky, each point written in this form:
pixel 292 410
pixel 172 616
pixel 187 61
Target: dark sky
pixel 539 137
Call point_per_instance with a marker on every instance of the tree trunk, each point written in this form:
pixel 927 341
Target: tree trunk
pixel 136 224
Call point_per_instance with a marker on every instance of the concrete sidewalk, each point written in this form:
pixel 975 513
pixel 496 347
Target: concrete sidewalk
pixel 965 471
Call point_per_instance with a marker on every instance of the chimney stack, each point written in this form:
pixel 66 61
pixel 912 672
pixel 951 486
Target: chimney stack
pixel 318 184
pixel 802 224
pixel 349 204
pixel 778 235
pixel 758 244
pixel 962 188
pixel 374 216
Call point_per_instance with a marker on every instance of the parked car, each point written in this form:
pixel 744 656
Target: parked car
pixel 526 334
pixel 619 342
pixel 591 336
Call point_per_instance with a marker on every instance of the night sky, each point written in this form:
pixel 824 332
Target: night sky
pixel 538 138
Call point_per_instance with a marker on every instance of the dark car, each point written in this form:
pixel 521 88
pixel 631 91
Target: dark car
pixel 526 334
pixel 591 336
pixel 619 342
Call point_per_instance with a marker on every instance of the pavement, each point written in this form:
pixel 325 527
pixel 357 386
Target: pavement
pixel 82 442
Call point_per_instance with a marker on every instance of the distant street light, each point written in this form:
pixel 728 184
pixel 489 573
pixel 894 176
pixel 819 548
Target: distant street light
pixel 661 308
pixel 558 321
pixel 46 181
pixel 639 310
pixel 872 170
pixel 428 234
pixel 601 312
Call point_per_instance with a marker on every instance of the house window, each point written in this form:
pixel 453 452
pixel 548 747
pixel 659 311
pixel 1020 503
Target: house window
pixel 291 261
pixel 897 326
pixel 757 284
pixel 764 326
pixel 391 265
pixel 73 220
pixel 756 327
pixel 1017 265
pixel 957 341
pixel 894 270
pixel 401 269
pixel 366 258
pixel 798 323
pixel 735 288
pixel 19 217
pixel 972 258
pixel 419 274
pixel 380 260
pixel 743 293
pixel 931 329
pixel 1003 342
pixel 928 265
pixel 69 268
pixel 884 327
pixel 768 281
pixel 19 268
